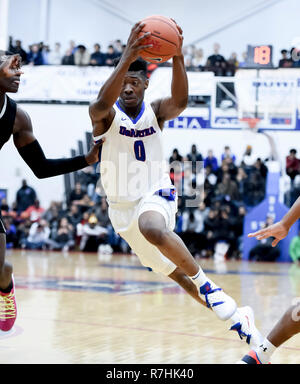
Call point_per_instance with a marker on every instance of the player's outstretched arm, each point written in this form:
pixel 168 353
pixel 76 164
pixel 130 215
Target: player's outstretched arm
pixel 171 107
pixel 33 155
pixel 101 108
pixel 280 230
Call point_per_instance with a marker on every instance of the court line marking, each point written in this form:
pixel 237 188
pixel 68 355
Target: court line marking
pixel 211 271
pixel 150 330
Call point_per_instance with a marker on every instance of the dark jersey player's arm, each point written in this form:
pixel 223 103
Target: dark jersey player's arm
pixel 33 155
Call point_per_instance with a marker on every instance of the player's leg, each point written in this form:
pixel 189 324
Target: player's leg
pixel 5 267
pixel 8 308
pixel 287 327
pixel 153 227
pixel 185 282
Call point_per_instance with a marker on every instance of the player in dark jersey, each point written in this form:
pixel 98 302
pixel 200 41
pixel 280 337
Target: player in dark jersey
pixel 289 324
pixel 16 122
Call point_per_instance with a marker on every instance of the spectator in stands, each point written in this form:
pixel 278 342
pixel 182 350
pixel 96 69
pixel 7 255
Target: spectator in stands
pixel 198 60
pixel 239 229
pixel 295 56
pixel 34 212
pixel 292 165
pixel 176 167
pixel 227 188
pixel 85 203
pixel 64 238
pixel 23 230
pixel 89 178
pixel 11 232
pixel 254 188
pixel 243 62
pixel 241 178
pixel 227 154
pixel 55 57
pixel 187 56
pixel 18 49
pixel 211 161
pixel 25 197
pixel 38 235
pixel 217 62
pixel 285 61
pixel 92 235
pixel 192 226
pixel 72 47
pixel 73 215
pixel 233 61
pixel 210 224
pixel 35 56
pixel 77 193
pixel 111 55
pixel 194 156
pixel 68 58
pixel 248 158
pixel 118 47
pixel 264 251
pixel 294 248
pixel 97 57
pixel 45 50
pixel 260 166
pixel 224 233
pixel 101 213
pixel 82 56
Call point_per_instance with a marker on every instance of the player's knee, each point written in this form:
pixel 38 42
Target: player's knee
pixel 154 235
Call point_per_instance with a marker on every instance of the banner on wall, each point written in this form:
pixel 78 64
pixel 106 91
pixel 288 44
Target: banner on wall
pixel 82 84
pixel 272 95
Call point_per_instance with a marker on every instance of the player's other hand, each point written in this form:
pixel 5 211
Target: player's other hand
pixel 92 157
pixel 277 230
pixel 11 67
pixel 136 42
pixel 179 50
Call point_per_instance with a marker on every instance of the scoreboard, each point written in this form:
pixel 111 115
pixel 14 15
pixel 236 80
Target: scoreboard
pixel 259 56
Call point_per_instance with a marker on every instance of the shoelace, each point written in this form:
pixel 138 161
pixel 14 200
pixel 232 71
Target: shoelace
pixel 214 297
pixel 7 307
pixel 238 327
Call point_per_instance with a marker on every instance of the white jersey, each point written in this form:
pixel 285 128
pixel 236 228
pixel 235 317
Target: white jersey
pixel 132 158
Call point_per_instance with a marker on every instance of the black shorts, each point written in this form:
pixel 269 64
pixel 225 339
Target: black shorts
pixel 2 228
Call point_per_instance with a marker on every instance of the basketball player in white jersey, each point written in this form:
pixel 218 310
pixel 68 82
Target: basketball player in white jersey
pixel 142 210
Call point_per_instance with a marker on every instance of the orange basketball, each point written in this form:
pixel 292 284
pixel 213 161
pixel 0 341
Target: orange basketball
pixel 164 37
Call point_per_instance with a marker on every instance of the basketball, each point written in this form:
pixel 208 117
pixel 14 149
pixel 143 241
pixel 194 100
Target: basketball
pixel 164 37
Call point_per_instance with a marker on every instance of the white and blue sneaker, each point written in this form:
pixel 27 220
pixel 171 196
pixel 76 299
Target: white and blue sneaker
pixel 246 328
pixel 223 305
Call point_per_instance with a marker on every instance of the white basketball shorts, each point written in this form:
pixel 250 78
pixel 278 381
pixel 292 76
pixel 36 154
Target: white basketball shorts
pixel 124 218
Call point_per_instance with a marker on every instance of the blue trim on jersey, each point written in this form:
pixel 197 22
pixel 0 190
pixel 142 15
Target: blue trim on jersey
pixel 138 116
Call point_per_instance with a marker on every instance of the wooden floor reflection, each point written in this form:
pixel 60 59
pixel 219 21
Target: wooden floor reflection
pixel 74 308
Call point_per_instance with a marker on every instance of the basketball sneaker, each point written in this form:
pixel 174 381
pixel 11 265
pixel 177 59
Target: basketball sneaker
pixel 8 309
pixel 250 358
pixel 246 328
pixel 223 305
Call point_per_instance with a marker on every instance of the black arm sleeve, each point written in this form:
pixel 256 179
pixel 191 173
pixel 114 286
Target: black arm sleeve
pixel 34 157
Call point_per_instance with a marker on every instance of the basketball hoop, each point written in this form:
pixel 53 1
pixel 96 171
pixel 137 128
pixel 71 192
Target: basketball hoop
pixel 252 123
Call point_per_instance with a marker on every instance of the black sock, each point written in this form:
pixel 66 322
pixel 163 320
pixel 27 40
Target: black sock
pixel 8 289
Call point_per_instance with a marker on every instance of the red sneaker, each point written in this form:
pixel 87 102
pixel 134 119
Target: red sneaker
pixel 8 309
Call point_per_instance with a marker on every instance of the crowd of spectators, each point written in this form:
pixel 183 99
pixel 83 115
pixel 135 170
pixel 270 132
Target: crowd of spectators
pixel 76 54
pixel 227 191
pixel 81 223
pixel 215 224
pixel 194 58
